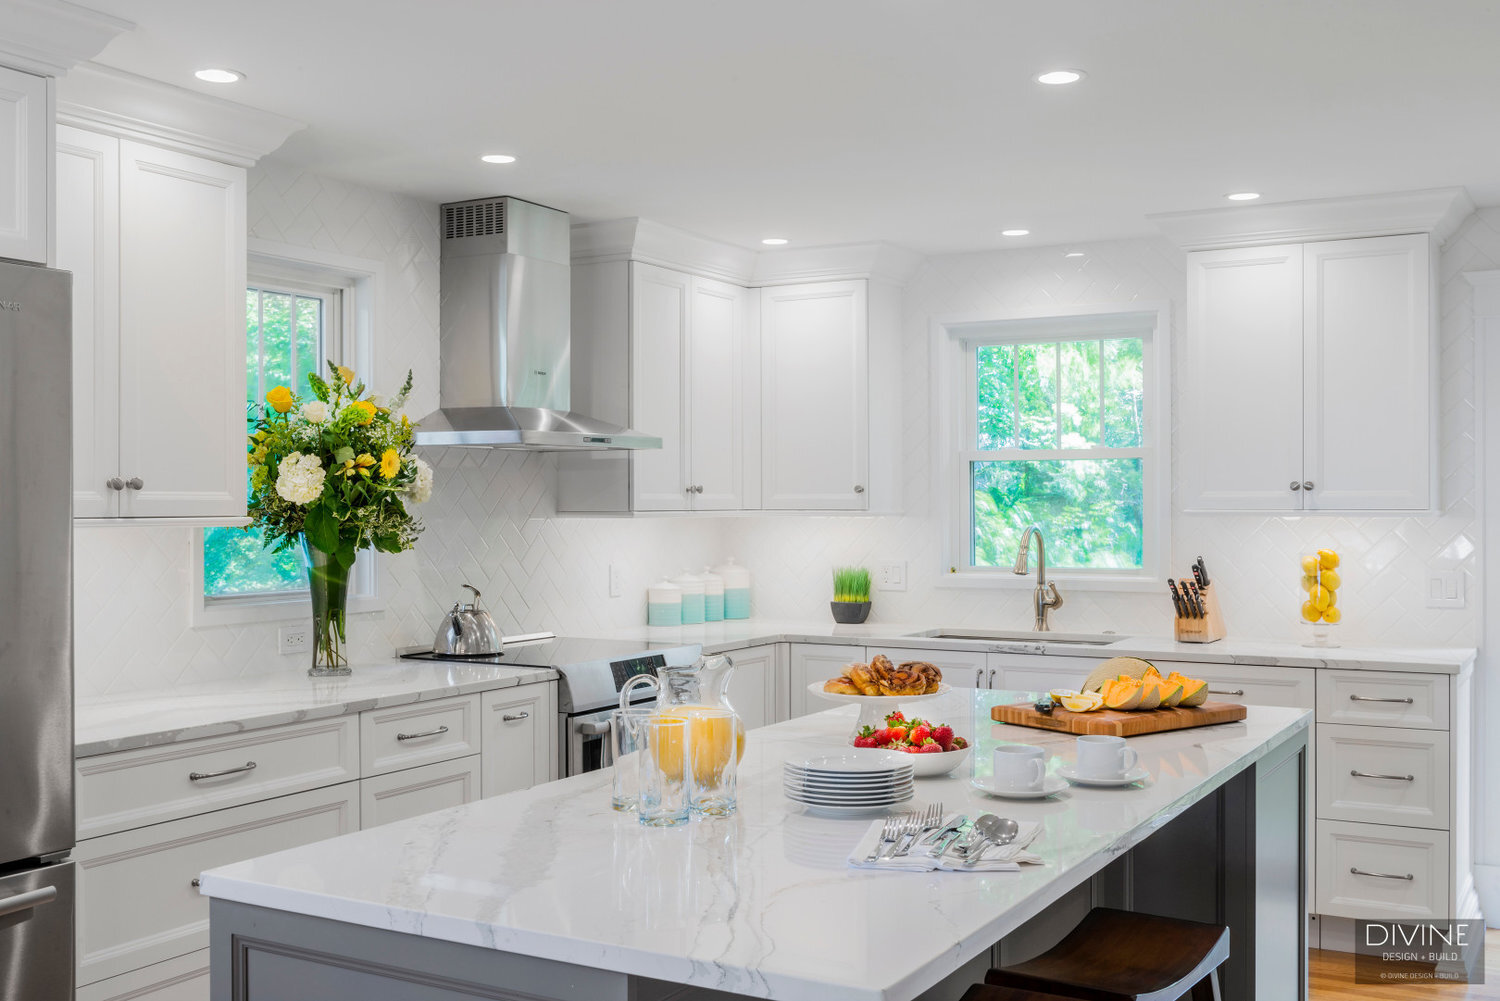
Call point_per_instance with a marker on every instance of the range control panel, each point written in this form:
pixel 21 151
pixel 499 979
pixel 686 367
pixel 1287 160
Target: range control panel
pixel 624 670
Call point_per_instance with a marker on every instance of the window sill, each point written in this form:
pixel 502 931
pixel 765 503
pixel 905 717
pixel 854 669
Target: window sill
pixel 1004 580
pixel 251 611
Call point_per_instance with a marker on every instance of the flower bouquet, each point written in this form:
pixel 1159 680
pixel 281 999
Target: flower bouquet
pixel 334 474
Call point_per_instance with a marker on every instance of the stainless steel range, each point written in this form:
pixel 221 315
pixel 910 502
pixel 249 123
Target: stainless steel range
pixel 591 674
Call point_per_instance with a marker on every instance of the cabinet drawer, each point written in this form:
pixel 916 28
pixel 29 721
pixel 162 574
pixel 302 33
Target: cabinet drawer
pixel 1374 698
pixel 520 738
pixel 385 799
pixel 1402 775
pixel 137 904
pixel 182 979
pixel 127 789
pixel 1395 853
pixel 419 733
pixel 1292 687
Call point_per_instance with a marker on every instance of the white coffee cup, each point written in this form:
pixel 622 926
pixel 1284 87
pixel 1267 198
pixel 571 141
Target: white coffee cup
pixel 1104 757
pixel 1020 767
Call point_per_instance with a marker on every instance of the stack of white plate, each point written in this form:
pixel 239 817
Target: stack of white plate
pixel 849 784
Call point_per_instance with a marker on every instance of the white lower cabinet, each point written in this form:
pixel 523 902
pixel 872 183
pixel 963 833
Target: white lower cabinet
pixel 518 729
pixel 753 688
pixel 1292 687
pixel 1032 674
pixel 1381 872
pixel 184 978
pixel 811 662
pixel 419 733
pixel 385 799
pixel 137 899
pixel 1383 775
pixel 961 668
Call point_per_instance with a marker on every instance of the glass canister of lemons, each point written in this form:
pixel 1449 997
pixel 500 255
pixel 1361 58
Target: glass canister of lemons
pixel 1320 585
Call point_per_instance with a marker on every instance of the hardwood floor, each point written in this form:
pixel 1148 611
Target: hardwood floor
pixel 1331 978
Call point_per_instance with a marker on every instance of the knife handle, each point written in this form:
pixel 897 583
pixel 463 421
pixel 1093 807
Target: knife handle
pixel 1198 577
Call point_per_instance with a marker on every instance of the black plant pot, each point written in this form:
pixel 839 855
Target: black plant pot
pixel 850 613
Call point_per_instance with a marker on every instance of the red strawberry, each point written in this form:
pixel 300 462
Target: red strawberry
pixel 911 748
pixel 895 716
pixel 888 735
pixel 865 742
pixel 959 743
pixel 944 736
pixel 920 733
pixel 931 747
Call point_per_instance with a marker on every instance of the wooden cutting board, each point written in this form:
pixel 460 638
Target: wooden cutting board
pixel 1113 723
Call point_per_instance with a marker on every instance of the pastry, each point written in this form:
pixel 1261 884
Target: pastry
pixel 863 678
pixel 901 681
pixel 930 673
pixel 841 686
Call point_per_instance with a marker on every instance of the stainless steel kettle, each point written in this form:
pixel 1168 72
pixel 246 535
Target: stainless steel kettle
pixel 467 630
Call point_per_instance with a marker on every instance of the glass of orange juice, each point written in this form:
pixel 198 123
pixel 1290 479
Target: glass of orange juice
pixel 664 781
pixel 713 737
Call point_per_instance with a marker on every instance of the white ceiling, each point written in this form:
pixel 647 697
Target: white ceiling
pixel 840 121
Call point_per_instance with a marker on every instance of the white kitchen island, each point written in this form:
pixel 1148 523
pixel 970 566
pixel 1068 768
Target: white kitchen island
pixel 548 893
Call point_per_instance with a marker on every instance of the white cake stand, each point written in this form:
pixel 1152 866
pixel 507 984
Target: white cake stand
pixel 873 709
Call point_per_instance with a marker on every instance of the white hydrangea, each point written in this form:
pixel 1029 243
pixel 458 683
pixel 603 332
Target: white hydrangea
pixel 315 411
pixel 420 489
pixel 299 478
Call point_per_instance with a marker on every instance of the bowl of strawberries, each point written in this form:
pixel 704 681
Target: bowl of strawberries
pixel 933 748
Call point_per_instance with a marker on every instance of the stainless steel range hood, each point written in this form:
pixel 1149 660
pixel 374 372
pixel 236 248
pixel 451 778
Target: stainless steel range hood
pixel 505 320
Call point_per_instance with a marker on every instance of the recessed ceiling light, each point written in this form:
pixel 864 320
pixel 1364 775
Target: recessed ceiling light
pixel 1057 78
pixel 1074 253
pixel 219 76
pixel 498 158
pixel 774 241
pixel 1015 232
pixel 1243 196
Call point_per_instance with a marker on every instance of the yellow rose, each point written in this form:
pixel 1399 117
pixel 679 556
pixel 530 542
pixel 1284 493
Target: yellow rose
pixel 365 409
pixel 280 399
pixel 347 374
pixel 390 463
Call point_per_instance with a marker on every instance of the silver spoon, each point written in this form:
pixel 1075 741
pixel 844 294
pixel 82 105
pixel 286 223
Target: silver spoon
pixel 992 830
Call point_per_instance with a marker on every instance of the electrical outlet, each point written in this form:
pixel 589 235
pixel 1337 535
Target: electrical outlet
pixel 292 639
pixel 616 580
pixel 891 576
pixel 1445 589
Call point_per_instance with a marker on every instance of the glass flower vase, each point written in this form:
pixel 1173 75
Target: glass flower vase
pixel 328 583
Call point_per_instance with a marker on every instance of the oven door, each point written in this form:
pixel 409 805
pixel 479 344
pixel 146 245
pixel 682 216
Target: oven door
pixel 585 739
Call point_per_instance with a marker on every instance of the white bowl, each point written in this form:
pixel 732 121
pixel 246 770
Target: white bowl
pixel 926 765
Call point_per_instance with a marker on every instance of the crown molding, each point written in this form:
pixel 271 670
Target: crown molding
pixel 636 239
pixel 50 37
pixel 122 104
pixel 1438 211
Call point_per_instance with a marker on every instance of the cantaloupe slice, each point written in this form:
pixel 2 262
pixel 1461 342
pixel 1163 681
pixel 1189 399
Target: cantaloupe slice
pixel 1150 697
pixel 1171 692
pixel 1116 667
pixel 1122 695
pixel 1194 690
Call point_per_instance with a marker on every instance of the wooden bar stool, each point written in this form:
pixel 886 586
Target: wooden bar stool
pixel 989 992
pixel 1123 956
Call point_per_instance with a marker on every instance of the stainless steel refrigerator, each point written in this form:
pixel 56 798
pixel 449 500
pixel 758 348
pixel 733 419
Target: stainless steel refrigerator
pixel 36 634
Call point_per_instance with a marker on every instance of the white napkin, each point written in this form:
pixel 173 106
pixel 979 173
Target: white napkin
pixel 996 858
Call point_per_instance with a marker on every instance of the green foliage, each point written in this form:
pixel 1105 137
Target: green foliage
pixel 1090 510
pixel 851 584
pixel 235 561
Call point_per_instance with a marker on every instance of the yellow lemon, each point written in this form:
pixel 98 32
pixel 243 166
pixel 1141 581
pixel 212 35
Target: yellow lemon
pixel 1321 597
pixel 1084 703
pixel 1332 615
pixel 1310 565
pixel 1309 582
pixel 1311 612
pixel 1328 559
pixel 1330 579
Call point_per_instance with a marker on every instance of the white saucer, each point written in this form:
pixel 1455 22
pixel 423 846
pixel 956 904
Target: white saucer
pixel 1129 778
pixel 1051 786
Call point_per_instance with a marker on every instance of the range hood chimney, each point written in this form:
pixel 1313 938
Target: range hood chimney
pixel 505 320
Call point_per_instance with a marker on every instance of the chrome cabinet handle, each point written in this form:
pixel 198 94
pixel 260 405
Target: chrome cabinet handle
pixel 1307 484
pixel 195 881
pixel 199 776
pixel 424 733
pixel 1408 700
pixel 135 483
pixel 1296 485
pixel 1380 875
pixel 26 901
pixel 590 729
pixel 115 483
pixel 1226 691
pixel 1376 775
pixel 858 489
pixel 524 715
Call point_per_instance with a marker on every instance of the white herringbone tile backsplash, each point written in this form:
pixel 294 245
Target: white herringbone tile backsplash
pixel 492 523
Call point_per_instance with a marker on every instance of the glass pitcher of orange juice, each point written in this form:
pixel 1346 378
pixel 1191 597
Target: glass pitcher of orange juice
pixel 704 684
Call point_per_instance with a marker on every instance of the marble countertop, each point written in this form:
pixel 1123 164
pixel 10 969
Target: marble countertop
pixel 717 637
pixel 761 904
pixel 141 719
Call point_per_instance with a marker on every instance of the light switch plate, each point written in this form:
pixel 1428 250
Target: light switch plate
pixel 616 580
pixel 1445 589
pixel 891 576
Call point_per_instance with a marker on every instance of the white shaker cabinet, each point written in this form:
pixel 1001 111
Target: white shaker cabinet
pixel 156 242
pixel 754 687
pixel 815 381
pixel 518 728
pixel 1308 377
pixel 25 175
pixel 818 662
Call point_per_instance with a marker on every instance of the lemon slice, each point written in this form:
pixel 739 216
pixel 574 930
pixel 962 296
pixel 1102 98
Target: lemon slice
pixel 1087 702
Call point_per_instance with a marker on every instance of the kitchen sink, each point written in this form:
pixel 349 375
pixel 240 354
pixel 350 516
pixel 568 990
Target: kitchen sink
pixel 1023 636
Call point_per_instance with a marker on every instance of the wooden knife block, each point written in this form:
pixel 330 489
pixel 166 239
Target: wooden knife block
pixel 1208 629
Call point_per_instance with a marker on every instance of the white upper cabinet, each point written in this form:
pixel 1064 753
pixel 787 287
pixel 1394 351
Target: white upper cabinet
pixel 1307 381
pixel 815 397
pixel 156 242
pixel 659 344
pixel 25 141
pixel 718 343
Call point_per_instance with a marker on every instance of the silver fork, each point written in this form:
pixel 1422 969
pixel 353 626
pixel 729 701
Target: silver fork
pixel 930 819
pixel 888 835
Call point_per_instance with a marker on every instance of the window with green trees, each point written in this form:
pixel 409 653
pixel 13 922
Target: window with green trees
pixel 1059 440
pixel 284 342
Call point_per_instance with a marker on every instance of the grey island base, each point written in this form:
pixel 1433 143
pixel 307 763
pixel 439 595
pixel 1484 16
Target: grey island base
pixel 549 894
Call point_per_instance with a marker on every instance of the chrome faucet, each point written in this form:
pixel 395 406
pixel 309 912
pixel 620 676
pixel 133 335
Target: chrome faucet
pixel 1047 596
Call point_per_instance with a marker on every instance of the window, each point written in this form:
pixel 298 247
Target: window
pixel 1057 425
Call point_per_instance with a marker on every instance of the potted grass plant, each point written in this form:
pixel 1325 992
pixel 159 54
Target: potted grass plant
pixel 851 595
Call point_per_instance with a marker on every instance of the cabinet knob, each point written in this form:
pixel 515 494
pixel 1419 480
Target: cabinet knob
pixel 858 489
pixel 115 483
pixel 1307 484
pixel 1296 486
pixel 698 489
pixel 135 483
pixel 195 881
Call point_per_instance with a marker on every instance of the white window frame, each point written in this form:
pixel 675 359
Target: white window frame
pixel 359 283
pixel 954 340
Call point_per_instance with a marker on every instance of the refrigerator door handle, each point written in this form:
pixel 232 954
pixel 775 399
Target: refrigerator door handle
pixel 27 901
